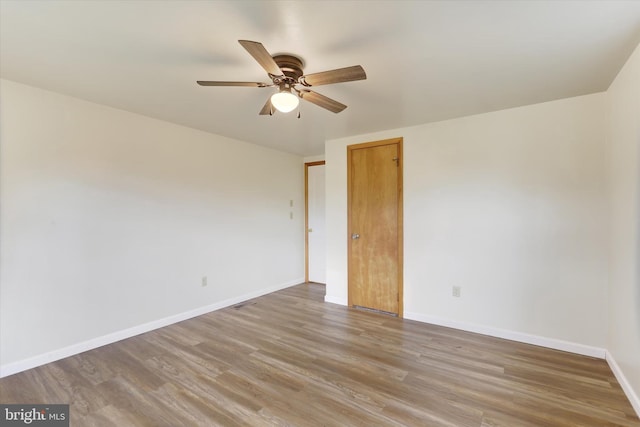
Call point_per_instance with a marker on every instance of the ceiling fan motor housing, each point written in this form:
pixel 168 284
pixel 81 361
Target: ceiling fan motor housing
pixel 290 65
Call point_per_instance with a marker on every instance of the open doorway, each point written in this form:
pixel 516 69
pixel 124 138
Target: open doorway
pixel 315 232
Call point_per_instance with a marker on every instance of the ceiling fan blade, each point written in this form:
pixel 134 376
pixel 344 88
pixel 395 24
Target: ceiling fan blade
pixel 340 75
pixel 246 84
pixel 261 55
pixel 267 110
pixel 322 101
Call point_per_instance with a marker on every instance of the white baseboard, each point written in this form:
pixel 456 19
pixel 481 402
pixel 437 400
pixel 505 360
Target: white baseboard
pixel 52 356
pixel 335 300
pixel 624 383
pixel 510 335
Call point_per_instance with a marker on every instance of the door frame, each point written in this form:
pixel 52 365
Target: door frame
pixel 350 148
pixel 306 215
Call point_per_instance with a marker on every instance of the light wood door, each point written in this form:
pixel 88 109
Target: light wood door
pixel 316 232
pixel 375 225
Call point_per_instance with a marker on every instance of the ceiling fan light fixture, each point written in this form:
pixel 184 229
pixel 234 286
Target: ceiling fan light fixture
pixel 286 72
pixel 284 100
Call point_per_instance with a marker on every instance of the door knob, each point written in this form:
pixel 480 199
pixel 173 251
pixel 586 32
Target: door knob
pixel 355 236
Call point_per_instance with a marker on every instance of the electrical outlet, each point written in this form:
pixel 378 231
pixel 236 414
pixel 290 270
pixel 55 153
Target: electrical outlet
pixel 204 281
pixel 456 291
pixel 290 215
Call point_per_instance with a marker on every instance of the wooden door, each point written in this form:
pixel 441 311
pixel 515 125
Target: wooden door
pixel 375 225
pixel 315 222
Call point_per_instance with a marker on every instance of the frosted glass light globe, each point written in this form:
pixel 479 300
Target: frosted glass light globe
pixel 284 101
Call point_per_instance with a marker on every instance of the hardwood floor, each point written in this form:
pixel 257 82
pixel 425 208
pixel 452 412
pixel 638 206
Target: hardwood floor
pixel 288 358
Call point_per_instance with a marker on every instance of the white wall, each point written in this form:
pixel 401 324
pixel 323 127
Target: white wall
pixel 110 219
pixel 511 207
pixel 314 158
pixel 623 101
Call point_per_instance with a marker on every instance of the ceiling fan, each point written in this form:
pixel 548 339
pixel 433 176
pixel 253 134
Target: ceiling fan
pixel 285 72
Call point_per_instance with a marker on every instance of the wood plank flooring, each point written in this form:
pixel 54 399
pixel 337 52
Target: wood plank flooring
pixel 289 359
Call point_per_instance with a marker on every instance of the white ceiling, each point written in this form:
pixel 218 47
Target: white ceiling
pixel 425 60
